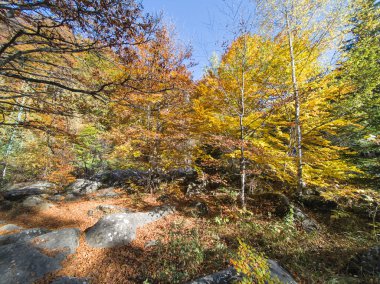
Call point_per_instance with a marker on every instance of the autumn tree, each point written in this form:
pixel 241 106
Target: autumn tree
pixel 148 124
pixel 319 22
pixel 269 144
pixel 41 41
pixel 234 103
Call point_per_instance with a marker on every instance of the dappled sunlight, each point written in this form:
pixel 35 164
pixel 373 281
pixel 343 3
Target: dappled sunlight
pixel 247 153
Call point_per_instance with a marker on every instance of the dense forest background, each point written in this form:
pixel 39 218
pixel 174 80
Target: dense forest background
pixel 111 89
pixel 292 106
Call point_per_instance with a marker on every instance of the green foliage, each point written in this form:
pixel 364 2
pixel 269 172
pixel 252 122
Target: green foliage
pixel 252 264
pixel 289 218
pixel 361 72
pixel 219 220
pixel 88 148
pixel 181 257
pixel 339 214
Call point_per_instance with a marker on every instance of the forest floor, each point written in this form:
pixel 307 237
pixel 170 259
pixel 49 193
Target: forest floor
pixel 319 257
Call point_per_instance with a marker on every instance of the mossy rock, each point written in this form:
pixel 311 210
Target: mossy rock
pixel 270 203
pixel 318 203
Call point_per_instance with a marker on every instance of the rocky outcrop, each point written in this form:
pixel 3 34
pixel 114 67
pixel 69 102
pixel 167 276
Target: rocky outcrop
pixel 270 202
pixel 230 275
pixel 108 209
pixel 307 223
pixel 71 197
pixel 121 177
pixel 64 240
pixel 366 263
pixel 9 227
pixel 70 280
pixel 36 203
pixel 30 254
pixel 280 273
pixel 22 237
pixel 56 198
pixel 107 193
pixel 83 187
pixel 226 276
pixel 22 190
pixel 23 263
pixel 120 229
pixel 318 203
pixel 199 208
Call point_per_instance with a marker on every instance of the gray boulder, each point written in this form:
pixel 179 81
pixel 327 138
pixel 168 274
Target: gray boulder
pixel 310 225
pixel 226 276
pixel 108 209
pixel 23 263
pixel 121 177
pixel 199 208
pixel 9 227
pixel 70 280
pixel 22 237
pixel 277 271
pixel 307 223
pixel 120 229
pixel 318 203
pixel 22 257
pixel 270 203
pixel 32 201
pixel 44 186
pixel 366 263
pixel 20 191
pixel 37 203
pixel 57 198
pixel 65 240
pixel 111 231
pixel 83 187
pixel 230 275
pixel 71 197
pixel 107 193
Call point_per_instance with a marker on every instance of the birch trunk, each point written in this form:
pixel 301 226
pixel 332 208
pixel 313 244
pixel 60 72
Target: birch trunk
pixel 300 183
pixel 241 125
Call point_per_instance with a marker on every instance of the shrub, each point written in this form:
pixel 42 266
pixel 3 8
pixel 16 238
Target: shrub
pixel 253 265
pixel 181 257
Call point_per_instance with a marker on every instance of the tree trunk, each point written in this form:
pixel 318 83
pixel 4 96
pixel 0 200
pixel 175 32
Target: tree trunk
pixel 300 183
pixel 242 164
pixel 241 126
pixel 149 182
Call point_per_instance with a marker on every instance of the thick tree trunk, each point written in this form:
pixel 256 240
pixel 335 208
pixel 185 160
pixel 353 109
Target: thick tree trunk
pixel 300 183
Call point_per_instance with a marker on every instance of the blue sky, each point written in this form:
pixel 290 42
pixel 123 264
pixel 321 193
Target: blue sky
pixel 201 23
